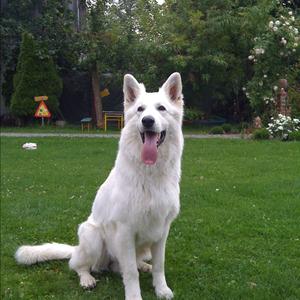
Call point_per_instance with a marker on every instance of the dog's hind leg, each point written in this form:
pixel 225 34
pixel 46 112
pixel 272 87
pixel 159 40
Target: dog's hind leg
pixel 143 256
pixel 87 254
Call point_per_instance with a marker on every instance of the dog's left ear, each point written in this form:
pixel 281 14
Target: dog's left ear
pixel 173 87
pixel 131 88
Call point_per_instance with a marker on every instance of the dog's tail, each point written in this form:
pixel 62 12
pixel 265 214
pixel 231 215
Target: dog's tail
pixel 29 255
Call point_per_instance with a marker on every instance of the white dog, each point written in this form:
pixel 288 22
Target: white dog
pixel 134 207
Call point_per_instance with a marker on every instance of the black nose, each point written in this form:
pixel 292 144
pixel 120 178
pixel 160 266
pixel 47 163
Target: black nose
pixel 148 121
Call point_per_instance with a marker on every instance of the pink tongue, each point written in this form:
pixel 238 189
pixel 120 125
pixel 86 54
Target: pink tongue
pixel 149 150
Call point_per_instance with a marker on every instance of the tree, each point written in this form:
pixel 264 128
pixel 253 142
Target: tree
pixel 140 49
pixel 52 25
pixel 98 47
pixel 34 77
pixel 209 43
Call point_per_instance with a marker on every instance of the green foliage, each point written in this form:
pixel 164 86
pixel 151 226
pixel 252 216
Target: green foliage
pixel 227 128
pixel 243 125
pixel 209 42
pixel 192 114
pixel 50 22
pixel 294 95
pixel 141 48
pixel 294 136
pixel 34 77
pixel 261 134
pixel 275 55
pixel 216 130
pixel 100 37
pixel 282 126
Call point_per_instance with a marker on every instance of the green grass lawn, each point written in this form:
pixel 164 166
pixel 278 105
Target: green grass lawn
pixel 237 236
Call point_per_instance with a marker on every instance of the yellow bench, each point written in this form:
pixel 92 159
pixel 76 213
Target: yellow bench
pixel 115 116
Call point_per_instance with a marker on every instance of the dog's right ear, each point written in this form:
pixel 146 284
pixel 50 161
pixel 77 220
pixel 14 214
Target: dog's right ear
pixel 131 89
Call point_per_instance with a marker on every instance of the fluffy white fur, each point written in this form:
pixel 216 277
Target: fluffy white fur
pixel 134 207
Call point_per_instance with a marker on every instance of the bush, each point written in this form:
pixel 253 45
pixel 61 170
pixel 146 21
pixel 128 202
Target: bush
pixel 283 126
pixel 192 114
pixel 276 45
pixel 242 126
pixel 227 128
pixel 261 134
pixel 216 130
pixel 35 76
pixel 294 136
pixel 294 97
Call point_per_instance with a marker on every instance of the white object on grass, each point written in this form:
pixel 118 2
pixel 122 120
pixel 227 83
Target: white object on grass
pixel 30 146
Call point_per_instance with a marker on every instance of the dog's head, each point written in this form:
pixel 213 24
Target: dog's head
pixel 154 116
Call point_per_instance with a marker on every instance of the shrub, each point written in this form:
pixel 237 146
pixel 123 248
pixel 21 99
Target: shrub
pixel 192 114
pixel 227 128
pixel 243 125
pixel 216 130
pixel 35 76
pixel 294 136
pixel 294 97
pixel 261 134
pixel 283 126
pixel 275 52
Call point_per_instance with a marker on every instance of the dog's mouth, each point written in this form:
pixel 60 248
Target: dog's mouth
pixel 159 137
pixel 151 141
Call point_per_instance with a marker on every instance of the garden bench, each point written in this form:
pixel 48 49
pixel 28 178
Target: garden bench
pixel 116 116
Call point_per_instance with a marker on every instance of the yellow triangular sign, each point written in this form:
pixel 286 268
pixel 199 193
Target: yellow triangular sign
pixel 42 111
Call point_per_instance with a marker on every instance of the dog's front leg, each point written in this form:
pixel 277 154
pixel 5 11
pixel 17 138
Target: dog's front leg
pixel 128 264
pixel 158 268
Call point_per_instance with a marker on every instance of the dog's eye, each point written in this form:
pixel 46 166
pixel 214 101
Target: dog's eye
pixel 161 108
pixel 140 108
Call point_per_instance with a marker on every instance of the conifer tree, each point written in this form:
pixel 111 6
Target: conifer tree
pixel 35 76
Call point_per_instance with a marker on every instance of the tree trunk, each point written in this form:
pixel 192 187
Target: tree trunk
pixel 96 96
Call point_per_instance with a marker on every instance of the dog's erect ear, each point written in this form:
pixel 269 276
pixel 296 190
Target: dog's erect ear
pixel 173 87
pixel 131 88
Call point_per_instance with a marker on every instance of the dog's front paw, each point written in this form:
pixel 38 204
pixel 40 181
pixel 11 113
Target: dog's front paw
pixel 164 292
pixel 87 281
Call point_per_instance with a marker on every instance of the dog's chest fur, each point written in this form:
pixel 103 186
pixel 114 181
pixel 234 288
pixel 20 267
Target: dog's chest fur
pixel 151 227
pixel 156 205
